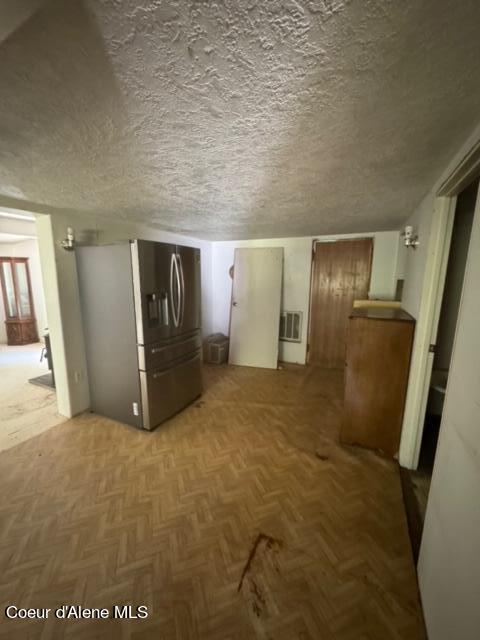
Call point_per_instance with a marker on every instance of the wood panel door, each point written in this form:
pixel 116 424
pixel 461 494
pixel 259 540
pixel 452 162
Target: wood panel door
pixel 340 274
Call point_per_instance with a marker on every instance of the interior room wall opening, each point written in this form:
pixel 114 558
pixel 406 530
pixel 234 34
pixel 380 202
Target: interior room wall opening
pixel 27 393
pixel 449 305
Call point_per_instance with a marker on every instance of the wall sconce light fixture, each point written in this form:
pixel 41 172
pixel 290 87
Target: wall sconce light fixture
pixel 410 239
pixel 69 242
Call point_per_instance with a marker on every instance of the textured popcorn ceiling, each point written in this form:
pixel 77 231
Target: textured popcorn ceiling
pixel 13 13
pixel 237 119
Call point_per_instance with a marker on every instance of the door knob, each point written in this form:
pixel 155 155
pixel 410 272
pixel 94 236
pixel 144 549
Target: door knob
pixel 234 304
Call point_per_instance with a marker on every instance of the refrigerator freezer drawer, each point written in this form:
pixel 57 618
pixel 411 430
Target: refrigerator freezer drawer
pixel 159 354
pixel 167 391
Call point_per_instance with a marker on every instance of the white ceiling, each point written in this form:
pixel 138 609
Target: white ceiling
pixel 14 13
pixel 237 119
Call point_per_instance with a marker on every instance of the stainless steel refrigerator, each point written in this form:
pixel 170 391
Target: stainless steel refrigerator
pixel 141 316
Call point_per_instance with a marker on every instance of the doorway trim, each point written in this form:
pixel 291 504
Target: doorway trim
pixel 467 170
pixel 50 276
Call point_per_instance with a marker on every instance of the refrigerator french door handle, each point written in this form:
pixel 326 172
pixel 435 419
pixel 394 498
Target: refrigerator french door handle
pixel 179 290
pixel 173 267
pixel 182 297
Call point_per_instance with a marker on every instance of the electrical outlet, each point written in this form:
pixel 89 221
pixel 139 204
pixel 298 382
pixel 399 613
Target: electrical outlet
pixel 78 376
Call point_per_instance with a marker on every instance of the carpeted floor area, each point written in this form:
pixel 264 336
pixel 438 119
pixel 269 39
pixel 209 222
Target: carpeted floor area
pixel 25 410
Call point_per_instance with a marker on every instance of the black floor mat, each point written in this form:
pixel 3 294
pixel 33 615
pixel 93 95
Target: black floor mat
pixel 46 380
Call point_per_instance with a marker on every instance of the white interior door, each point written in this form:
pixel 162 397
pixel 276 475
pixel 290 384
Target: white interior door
pixel 255 312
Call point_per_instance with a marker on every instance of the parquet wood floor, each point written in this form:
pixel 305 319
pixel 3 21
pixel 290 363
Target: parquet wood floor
pixel 241 518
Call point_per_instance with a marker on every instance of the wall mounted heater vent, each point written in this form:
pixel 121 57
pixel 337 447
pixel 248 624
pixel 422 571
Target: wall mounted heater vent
pixel 291 326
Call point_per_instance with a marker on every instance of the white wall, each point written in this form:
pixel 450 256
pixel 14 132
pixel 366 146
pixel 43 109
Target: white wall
pixel 63 305
pixel 62 294
pixel 449 563
pixel 13 14
pixel 26 249
pixel 401 258
pixel 418 293
pixel 449 568
pixel 417 258
pixel 383 282
pixel 421 220
pixel 296 279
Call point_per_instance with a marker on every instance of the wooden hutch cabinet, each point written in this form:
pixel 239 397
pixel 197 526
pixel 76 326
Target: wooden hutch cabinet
pixel 379 344
pixel 20 322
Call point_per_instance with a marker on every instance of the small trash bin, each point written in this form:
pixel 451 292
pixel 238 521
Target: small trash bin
pixel 216 349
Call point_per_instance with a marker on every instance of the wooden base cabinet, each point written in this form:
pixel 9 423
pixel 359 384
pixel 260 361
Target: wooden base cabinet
pixel 21 332
pixel 379 346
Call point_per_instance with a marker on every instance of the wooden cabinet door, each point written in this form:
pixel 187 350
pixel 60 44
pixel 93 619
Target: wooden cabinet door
pixel 376 376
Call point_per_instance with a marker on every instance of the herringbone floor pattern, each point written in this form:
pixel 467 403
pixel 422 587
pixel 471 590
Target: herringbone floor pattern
pixel 241 518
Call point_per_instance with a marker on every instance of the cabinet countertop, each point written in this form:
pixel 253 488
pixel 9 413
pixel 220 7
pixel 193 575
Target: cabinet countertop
pixel 381 313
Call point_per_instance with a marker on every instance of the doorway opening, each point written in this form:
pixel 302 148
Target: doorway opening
pixel 449 308
pixel 341 272
pixel 27 393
